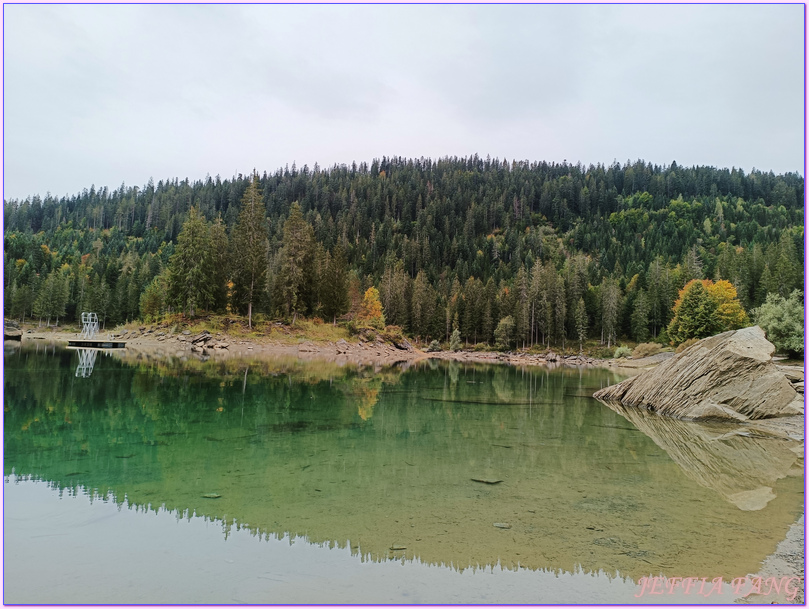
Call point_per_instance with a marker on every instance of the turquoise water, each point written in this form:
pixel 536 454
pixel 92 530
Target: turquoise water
pixel 288 481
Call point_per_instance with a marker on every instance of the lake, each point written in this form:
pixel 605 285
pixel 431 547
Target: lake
pixel 157 480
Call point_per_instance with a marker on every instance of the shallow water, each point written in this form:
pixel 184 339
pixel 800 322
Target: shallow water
pixel 325 483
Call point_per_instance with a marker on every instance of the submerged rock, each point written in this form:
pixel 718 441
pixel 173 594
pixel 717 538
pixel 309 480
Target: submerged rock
pixel 729 376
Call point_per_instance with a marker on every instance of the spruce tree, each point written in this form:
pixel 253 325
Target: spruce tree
pixel 295 256
pixel 335 285
pixel 580 318
pixel 190 279
pixel 250 247
pixel 640 317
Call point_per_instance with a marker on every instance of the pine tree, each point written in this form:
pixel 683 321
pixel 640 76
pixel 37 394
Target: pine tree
pixel 504 332
pixel 335 285
pixel 153 300
pixel 580 318
pixel 694 314
pixel 640 317
pixel 610 305
pixel 250 249
pixel 190 278
pixel 52 297
pixel 294 258
pixel 22 302
pixel 220 266
pixel 422 305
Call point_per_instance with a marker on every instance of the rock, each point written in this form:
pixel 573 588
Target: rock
pixel 203 337
pixel 403 345
pixel 187 332
pixel 793 373
pixel 729 376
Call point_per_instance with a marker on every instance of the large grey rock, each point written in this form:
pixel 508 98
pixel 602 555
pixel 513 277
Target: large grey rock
pixel 729 376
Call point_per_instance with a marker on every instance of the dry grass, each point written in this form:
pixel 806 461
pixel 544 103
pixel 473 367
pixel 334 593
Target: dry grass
pixel 646 349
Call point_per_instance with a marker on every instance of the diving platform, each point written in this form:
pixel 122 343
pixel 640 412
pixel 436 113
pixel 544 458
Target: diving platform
pixel 89 336
pixel 96 343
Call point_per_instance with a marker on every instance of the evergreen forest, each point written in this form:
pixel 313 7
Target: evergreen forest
pixel 511 253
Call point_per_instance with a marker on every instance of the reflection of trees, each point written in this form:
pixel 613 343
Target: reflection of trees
pixel 293 450
pixel 723 457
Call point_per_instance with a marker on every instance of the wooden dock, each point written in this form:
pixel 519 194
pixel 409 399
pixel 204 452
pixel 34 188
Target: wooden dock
pixel 96 343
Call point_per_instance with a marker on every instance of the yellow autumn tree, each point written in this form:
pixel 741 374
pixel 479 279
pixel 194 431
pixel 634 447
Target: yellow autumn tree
pixel 705 308
pixel 371 309
pixel 729 310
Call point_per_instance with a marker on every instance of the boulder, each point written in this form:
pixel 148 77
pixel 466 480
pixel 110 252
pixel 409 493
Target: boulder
pixel 403 345
pixel 729 376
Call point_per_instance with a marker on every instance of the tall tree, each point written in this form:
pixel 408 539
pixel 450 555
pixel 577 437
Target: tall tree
pixel 335 284
pixel 580 317
pixel 296 254
pixel 610 305
pixel 640 317
pixel 190 279
pixel 250 249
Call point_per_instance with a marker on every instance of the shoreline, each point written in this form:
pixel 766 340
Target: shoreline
pixel 220 344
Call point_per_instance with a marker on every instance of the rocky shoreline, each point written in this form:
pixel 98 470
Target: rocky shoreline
pixel 152 342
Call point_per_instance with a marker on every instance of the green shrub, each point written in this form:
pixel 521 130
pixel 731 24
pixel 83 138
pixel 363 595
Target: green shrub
pixel 434 347
pixel 622 351
pixel 782 319
pixel 646 349
pixel 455 340
pixel 503 333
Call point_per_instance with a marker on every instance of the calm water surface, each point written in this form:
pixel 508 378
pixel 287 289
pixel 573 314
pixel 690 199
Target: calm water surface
pixel 136 480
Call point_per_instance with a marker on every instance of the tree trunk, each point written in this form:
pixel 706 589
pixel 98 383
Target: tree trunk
pixel 250 315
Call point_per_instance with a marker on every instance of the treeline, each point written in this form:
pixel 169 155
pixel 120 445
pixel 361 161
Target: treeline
pixel 456 243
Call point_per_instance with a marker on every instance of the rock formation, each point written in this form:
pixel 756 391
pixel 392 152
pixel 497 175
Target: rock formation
pixel 729 376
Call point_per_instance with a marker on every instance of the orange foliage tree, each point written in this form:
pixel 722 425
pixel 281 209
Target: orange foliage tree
pixel 371 309
pixel 705 308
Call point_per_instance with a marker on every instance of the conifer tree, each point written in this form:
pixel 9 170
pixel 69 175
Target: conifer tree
pixel 580 317
pixel 335 285
pixel 190 278
pixel 640 317
pixel 295 256
pixel 694 314
pixel 250 250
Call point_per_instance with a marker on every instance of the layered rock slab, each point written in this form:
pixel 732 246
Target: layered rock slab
pixel 730 376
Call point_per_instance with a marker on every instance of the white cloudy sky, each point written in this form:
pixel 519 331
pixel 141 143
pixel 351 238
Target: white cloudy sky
pixel 110 94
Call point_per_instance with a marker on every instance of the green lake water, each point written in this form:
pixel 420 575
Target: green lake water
pixel 280 481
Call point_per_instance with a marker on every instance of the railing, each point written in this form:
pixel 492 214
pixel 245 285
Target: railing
pixel 89 323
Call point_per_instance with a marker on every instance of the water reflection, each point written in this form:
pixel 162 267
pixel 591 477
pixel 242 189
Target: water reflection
pixel 87 359
pixel 724 457
pixel 387 462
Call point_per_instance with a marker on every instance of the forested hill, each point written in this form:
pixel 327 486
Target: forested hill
pixel 458 236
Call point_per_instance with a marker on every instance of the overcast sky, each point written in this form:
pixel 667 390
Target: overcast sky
pixel 110 94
